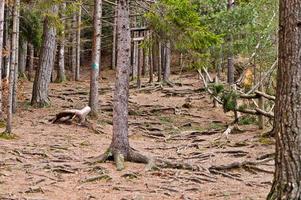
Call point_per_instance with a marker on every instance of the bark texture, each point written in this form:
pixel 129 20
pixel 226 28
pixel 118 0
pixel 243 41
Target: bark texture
pixel 95 65
pixel 120 141
pixel 287 179
pixel 78 34
pixel 2 5
pixel 43 74
pixel 230 63
pixel 12 68
pixel 31 62
pixel 61 75
pixel 166 73
pixel 23 59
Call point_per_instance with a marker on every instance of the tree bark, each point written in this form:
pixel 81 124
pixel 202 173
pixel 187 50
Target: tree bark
pixel 114 39
pixel 120 141
pixel 2 5
pixel 31 62
pixel 7 45
pixel 73 51
pixel 12 67
pixel 230 63
pixel 78 46
pixel 46 62
pixel 287 177
pixel 93 101
pixel 16 58
pixel 61 75
pixel 23 59
pixel 166 73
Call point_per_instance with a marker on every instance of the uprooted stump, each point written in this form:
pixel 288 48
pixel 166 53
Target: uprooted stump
pixel 70 115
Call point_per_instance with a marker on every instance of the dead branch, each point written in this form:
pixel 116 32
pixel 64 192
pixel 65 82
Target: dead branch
pixel 69 115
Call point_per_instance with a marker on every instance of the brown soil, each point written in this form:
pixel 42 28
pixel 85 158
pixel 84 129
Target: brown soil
pixel 48 161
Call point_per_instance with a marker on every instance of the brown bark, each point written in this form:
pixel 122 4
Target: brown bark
pixel 12 67
pixel 114 39
pixel 31 62
pixel 78 42
pixel 16 58
pixel 287 177
pixel 95 65
pixel 2 5
pixel 73 50
pixel 46 62
pixel 167 60
pixel 61 76
pixel 230 64
pixel 23 59
pixel 120 141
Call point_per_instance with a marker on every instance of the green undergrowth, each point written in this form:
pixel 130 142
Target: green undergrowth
pixel 7 136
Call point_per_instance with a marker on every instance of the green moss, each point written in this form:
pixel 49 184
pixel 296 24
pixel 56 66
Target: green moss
pixel 216 126
pixel 7 136
pixel 266 141
pixel 2 124
pixel 165 119
pixel 247 120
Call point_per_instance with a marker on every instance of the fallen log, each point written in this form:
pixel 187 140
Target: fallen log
pixel 69 115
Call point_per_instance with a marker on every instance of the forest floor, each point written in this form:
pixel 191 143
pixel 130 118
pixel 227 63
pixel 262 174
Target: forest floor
pixel 179 124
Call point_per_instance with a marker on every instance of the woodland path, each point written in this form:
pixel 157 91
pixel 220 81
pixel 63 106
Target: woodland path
pixel 47 161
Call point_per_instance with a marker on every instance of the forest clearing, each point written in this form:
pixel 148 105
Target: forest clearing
pixel 47 161
pixel 150 99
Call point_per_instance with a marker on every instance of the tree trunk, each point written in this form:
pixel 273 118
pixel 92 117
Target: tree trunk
pixel 159 64
pixel 151 64
pixel 16 59
pixel 93 101
pixel 23 59
pixel 73 52
pixel 287 177
pixel 140 63
pixel 31 62
pixel 135 60
pixel 7 45
pixel 46 62
pixel 12 67
pixel 166 73
pixel 2 5
pixel 230 54
pixel 114 39
pixel 78 34
pixel 120 141
pixel 61 76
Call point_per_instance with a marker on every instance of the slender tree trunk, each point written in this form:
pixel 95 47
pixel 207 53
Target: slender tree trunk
pixel 140 63
pixel 287 177
pixel 23 59
pixel 31 62
pixel 151 64
pixel 159 66
pixel 114 39
pixel 166 73
pixel 46 63
pixel 78 49
pixel 94 102
pixel 230 55
pixel 7 45
pixel 61 74
pixel 135 60
pixel 12 67
pixel 2 5
pixel 16 60
pixel 73 52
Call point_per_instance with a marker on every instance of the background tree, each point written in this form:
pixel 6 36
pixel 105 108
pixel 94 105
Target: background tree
pixel 2 6
pixel 46 62
pixel 95 65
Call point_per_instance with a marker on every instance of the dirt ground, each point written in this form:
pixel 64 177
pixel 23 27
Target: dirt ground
pixel 179 124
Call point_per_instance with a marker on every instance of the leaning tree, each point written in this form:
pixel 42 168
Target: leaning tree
pixel 46 61
pixel 287 177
